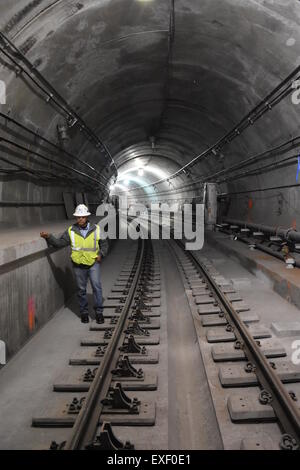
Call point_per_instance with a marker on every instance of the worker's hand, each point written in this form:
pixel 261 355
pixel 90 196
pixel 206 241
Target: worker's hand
pixel 44 235
pixel 99 258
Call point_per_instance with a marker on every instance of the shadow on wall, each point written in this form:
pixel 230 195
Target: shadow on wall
pixel 64 278
pixel 66 281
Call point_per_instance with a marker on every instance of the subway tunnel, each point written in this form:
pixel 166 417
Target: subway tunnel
pixel 177 102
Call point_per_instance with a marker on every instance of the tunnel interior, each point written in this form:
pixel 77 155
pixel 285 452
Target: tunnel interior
pixel 158 95
pixel 184 104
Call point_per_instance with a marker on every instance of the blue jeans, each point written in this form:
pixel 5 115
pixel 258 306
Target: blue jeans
pixel 82 275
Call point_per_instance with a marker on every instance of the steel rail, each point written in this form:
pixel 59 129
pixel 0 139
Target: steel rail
pixel 85 427
pixel 282 404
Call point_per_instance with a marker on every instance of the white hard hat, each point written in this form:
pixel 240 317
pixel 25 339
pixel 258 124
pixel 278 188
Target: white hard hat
pixel 81 211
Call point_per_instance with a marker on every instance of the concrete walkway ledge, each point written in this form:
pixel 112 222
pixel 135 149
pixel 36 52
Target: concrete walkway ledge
pixel 286 282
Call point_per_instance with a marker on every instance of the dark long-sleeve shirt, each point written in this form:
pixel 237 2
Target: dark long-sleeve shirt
pixel 64 239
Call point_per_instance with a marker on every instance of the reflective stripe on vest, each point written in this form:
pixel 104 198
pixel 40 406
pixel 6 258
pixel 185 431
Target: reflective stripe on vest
pixel 84 250
pixel 76 248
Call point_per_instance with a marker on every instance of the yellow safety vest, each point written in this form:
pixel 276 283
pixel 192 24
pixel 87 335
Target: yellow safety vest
pixel 85 250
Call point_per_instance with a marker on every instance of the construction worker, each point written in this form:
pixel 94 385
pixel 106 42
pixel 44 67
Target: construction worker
pixel 87 253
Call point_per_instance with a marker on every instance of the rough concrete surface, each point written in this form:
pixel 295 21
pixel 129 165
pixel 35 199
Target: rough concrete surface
pixel 26 381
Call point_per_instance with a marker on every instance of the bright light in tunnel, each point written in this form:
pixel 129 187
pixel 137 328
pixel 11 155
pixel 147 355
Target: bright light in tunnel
pixel 140 176
pixel 154 170
pixel 115 186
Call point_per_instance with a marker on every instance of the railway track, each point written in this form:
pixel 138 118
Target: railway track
pixel 250 378
pixel 109 379
pixel 99 389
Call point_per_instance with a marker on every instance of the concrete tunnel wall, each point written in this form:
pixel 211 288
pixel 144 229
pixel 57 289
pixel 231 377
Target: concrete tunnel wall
pixel 108 59
pixel 35 283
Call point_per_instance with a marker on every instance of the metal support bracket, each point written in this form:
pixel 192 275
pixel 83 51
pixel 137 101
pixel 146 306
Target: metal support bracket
pixel 89 375
pixel 288 442
pixel 108 333
pixel 134 328
pixel 139 316
pixel 141 305
pixel 106 440
pixel 100 351
pixel 125 369
pixel 130 346
pixel 75 406
pixel 55 446
pixel 118 400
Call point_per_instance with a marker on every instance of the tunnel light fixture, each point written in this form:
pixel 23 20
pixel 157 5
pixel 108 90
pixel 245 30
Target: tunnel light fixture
pixel 141 171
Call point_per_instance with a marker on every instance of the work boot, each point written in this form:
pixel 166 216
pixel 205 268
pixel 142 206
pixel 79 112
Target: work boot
pixel 85 318
pixel 99 318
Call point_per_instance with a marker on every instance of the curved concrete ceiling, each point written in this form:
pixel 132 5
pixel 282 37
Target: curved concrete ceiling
pixel 109 60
